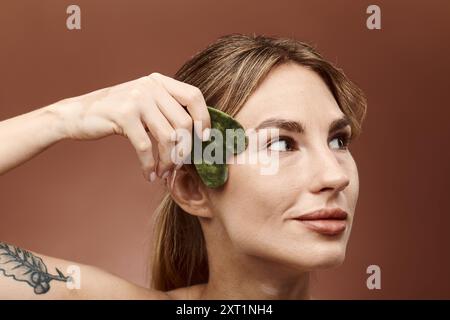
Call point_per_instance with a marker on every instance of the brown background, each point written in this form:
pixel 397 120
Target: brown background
pixel 88 202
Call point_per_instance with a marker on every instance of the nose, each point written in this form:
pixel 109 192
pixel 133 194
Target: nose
pixel 327 173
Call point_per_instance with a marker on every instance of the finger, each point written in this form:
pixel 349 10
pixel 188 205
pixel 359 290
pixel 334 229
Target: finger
pixel 191 97
pixel 180 120
pixel 164 134
pixel 171 177
pixel 143 146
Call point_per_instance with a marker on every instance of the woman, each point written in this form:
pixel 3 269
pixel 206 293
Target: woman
pixel 256 237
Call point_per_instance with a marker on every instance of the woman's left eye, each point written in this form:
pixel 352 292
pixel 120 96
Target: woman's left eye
pixel 343 140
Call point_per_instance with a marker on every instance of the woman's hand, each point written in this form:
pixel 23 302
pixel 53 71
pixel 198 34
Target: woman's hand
pixel 152 103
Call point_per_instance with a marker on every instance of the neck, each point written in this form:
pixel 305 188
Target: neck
pixel 252 278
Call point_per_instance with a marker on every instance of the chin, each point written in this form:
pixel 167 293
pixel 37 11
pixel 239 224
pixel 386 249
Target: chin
pixel 319 256
pixel 315 256
pixel 327 256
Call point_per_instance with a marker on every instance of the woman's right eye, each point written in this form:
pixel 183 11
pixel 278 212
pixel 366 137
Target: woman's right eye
pixel 282 142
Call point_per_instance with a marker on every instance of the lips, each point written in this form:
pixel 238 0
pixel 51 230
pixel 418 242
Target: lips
pixel 326 221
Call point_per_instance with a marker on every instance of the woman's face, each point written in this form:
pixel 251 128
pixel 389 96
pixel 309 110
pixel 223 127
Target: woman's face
pixel 256 211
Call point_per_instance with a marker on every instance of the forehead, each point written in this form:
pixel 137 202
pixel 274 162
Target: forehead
pixel 293 92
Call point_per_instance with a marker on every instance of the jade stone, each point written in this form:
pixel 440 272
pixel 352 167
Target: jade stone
pixel 213 174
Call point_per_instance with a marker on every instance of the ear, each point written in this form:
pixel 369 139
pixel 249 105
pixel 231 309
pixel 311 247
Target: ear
pixel 189 192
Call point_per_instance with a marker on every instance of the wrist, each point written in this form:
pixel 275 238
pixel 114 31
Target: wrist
pixel 54 116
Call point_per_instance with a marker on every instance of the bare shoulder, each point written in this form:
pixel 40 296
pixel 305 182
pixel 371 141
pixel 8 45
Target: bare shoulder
pixel 193 292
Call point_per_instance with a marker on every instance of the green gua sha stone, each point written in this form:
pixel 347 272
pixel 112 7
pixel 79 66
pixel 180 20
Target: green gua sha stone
pixel 213 174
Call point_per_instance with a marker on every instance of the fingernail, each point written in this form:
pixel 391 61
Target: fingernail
pixel 206 134
pixel 165 174
pixel 152 176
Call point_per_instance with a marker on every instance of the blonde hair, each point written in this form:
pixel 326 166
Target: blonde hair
pixel 227 72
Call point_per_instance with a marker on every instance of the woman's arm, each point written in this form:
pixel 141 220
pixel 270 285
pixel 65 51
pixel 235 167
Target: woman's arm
pixel 156 105
pixel 26 135
pixel 27 275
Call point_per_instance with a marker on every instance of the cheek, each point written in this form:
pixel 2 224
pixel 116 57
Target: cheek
pixel 248 190
pixel 249 202
pixel 353 188
pixel 259 192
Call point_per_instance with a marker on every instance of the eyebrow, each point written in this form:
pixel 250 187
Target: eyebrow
pixel 298 127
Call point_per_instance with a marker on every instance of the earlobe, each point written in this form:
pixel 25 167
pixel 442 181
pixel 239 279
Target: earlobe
pixel 188 192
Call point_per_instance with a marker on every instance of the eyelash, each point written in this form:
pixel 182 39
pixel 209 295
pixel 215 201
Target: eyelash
pixel 346 139
pixel 344 136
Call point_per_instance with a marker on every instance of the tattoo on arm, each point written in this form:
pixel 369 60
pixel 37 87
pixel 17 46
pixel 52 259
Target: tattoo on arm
pixel 22 265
